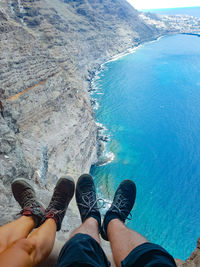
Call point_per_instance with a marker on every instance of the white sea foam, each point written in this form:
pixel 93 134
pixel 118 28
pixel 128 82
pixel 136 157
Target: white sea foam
pixel 156 40
pixel 106 158
pixel 96 105
pixel 102 126
pixel 109 156
pixel 120 55
pixel 129 51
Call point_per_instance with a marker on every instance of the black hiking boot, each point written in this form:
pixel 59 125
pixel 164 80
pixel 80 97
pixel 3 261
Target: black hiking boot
pixel 25 196
pixel 122 205
pixel 86 198
pixel 63 193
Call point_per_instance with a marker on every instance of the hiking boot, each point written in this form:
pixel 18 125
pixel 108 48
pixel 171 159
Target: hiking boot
pixel 122 205
pixel 86 198
pixel 63 193
pixel 25 195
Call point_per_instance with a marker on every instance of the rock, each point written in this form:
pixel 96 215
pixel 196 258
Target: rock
pixel 49 51
pixel 179 263
pixel 194 259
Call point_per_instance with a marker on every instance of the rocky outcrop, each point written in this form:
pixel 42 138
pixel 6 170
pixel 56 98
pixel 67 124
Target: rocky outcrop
pixel 42 87
pixel 193 260
pixel 12 162
pixel 49 51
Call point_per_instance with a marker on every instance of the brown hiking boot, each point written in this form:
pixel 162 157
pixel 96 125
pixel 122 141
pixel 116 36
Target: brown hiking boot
pixel 63 193
pixel 25 195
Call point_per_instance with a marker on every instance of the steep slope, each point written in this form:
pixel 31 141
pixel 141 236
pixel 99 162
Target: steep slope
pixel 49 50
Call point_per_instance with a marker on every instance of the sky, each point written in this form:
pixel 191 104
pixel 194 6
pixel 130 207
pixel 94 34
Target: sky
pixel 152 4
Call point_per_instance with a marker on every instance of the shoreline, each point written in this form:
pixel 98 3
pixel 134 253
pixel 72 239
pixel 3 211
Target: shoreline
pixel 94 73
pixel 123 54
pixel 104 156
pixel 113 59
pixel 193 34
pixel 131 50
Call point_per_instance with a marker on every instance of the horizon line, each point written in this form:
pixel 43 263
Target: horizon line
pixel 158 8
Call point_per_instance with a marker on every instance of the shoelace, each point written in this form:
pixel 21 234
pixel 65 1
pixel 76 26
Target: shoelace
pixel 120 206
pixel 90 201
pixel 33 207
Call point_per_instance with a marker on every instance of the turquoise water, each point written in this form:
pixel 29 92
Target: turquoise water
pixel 149 102
pixel 192 11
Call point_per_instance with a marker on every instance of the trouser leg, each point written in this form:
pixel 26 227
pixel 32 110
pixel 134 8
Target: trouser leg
pixel 82 250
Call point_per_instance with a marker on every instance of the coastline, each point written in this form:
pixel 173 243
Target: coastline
pixel 127 52
pixel 56 52
pixel 132 49
pixel 115 58
pixel 194 34
pixel 103 129
pixel 104 156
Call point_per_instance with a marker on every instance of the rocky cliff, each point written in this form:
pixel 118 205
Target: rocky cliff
pixel 49 51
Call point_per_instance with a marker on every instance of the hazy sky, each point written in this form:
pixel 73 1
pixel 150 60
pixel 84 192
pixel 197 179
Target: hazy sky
pixel 151 4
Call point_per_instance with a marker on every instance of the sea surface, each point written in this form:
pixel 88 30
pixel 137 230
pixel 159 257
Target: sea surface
pixel 149 102
pixel 192 11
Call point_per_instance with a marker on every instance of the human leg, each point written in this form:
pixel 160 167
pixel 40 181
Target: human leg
pixel 32 214
pixel 32 250
pixel 13 231
pixel 82 250
pixel 122 240
pixel 43 238
pixel 38 245
pixel 83 247
pixel 17 255
pixel 88 208
pixel 129 248
pixel 89 227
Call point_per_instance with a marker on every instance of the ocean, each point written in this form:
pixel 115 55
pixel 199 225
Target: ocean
pixel 149 104
pixel 192 11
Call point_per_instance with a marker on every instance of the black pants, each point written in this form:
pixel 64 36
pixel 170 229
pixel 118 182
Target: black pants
pixel 83 250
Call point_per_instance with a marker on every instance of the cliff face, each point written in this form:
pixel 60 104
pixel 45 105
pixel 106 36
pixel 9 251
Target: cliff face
pixel 49 50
